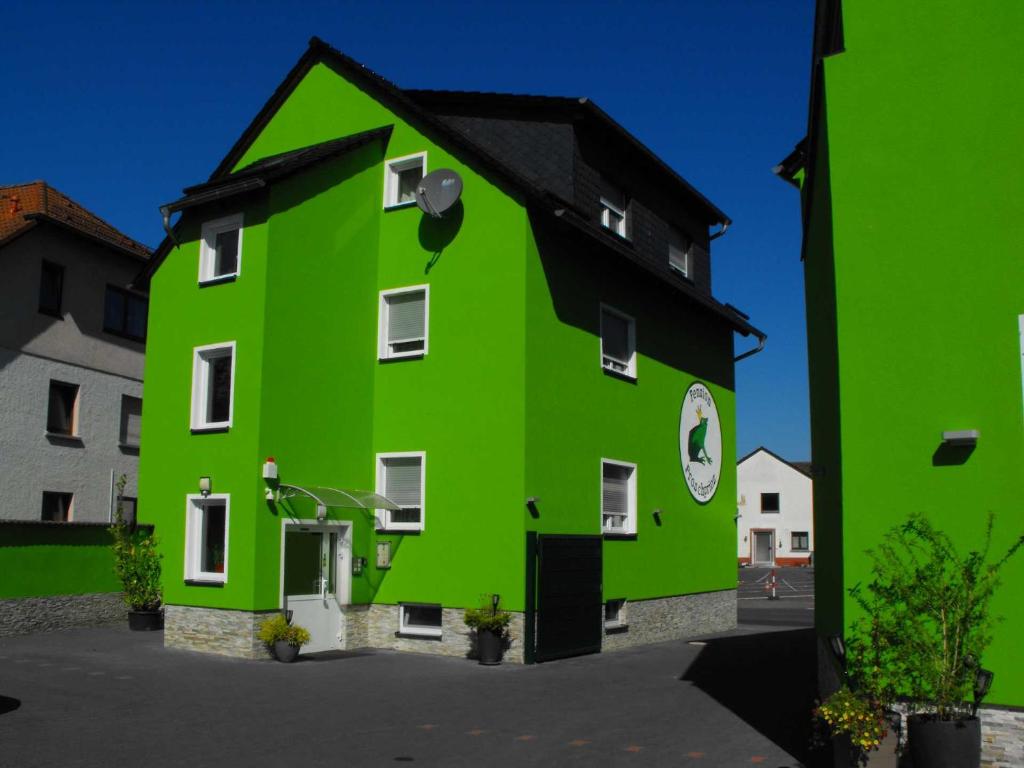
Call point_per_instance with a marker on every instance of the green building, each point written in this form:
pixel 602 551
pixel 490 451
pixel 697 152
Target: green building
pixel 533 391
pixel 911 182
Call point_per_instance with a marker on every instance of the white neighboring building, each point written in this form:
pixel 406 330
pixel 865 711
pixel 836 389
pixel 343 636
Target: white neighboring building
pixel 72 347
pixel 775 521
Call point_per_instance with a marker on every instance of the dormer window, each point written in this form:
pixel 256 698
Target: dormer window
pixel 401 177
pixel 679 249
pixel 613 209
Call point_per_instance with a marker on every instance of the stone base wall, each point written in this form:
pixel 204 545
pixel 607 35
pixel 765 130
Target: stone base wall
pixel 672 618
pixel 1002 738
pixel 24 615
pixel 215 630
pixel 456 638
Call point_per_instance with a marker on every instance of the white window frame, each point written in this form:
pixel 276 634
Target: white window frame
pixel 384 521
pixel 608 207
pixel 418 629
pixel 629 529
pixel 674 236
pixel 620 617
pixel 208 247
pixel 392 167
pixel 384 351
pixel 630 371
pixel 200 381
pixel 74 434
pixel 71 505
pixel 806 534
pixel 194 537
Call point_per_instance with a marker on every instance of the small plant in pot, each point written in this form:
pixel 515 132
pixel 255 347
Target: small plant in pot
pixel 137 564
pixel 924 628
pixel 491 625
pixel 856 723
pixel 284 639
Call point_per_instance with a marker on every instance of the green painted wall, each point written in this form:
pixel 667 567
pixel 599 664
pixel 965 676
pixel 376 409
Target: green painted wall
pixel 41 560
pixel 925 174
pixel 577 415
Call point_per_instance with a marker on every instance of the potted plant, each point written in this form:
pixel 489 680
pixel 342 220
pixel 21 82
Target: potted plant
pixel 857 724
pixel 137 564
pixel 284 639
pixel 491 625
pixel 924 628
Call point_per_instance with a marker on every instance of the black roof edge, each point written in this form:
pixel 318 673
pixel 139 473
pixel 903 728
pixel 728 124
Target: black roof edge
pixel 122 250
pixel 790 464
pixel 792 163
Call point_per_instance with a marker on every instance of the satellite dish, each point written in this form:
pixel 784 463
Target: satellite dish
pixel 438 191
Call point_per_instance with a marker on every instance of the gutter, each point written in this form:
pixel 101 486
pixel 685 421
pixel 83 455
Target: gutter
pixel 761 339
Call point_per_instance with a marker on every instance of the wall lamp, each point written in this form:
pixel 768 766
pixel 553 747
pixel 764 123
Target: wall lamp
pixel 838 647
pixel 982 682
pixel 204 485
pixel 657 515
pixel 961 437
pixel 531 504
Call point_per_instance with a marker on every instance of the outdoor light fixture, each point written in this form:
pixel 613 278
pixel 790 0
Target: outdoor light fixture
pixel 657 515
pixel 982 682
pixel 962 437
pixel 531 504
pixel 838 647
pixel 495 599
pixel 204 485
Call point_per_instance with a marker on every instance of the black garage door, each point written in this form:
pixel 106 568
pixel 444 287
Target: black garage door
pixel 569 612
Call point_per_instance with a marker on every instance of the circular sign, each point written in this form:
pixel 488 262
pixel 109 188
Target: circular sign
pixel 700 442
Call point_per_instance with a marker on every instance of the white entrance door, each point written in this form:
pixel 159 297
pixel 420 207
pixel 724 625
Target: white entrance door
pixel 315 580
pixel 763 547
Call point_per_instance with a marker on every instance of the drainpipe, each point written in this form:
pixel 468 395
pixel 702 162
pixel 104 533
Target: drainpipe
pixel 725 226
pixel 165 211
pixel 110 499
pixel 761 339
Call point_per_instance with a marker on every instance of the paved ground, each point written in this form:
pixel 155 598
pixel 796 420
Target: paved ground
pixel 109 697
pixel 795 590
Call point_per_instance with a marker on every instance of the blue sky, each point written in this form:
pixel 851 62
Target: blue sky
pixel 120 105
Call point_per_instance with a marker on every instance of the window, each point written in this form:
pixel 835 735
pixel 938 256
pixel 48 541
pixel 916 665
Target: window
pixel 401 177
pixel 206 538
pixel 800 541
pixel 618 497
pixel 679 246
pixel 220 249
pixel 57 506
pixel 613 210
pixel 424 620
pixel 404 316
pixel 769 502
pixel 615 613
pixel 400 477
pixel 51 288
pixel 129 508
pixel 618 342
pixel 124 313
pixel 62 413
pixel 131 421
pixel 213 378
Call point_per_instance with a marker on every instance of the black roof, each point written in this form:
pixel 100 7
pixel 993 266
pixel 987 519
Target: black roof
pixel 406 105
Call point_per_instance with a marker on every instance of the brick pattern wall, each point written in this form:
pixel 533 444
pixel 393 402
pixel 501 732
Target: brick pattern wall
pixel 456 638
pixel 673 618
pixel 215 630
pixel 1002 738
pixel 25 615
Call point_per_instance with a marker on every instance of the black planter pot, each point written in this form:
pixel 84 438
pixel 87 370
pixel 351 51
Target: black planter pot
pixel 944 743
pixel 489 647
pixel 145 621
pixel 285 651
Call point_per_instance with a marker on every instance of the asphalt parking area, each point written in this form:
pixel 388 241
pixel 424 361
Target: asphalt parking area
pixel 794 590
pixel 110 697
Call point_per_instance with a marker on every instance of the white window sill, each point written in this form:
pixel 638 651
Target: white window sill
pixel 394 529
pixel 418 634
pixel 218 279
pixel 624 375
pixel 394 206
pixel 207 579
pixel 220 426
pixel 403 356
pixel 618 533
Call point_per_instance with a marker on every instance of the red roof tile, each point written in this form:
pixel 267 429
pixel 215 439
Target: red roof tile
pixel 21 205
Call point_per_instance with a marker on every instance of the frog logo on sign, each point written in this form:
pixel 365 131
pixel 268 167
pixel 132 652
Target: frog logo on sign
pixel 700 442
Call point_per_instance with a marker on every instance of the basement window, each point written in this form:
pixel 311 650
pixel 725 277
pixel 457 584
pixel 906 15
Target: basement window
pixel 401 177
pixel 618 497
pixel 615 613
pixel 57 506
pixel 220 249
pixel 404 314
pixel 420 620
pixel 618 342
pixel 213 376
pixel 206 538
pixel 62 411
pixel 769 503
